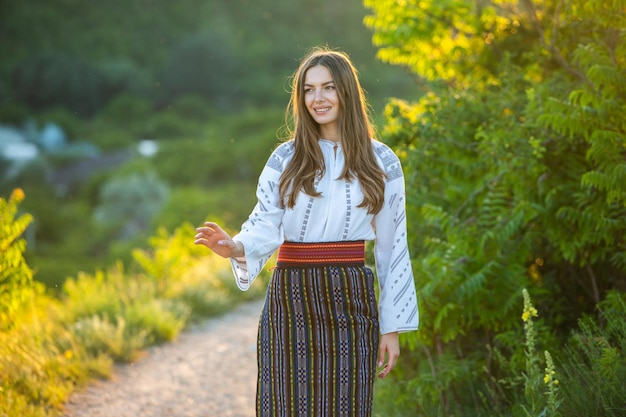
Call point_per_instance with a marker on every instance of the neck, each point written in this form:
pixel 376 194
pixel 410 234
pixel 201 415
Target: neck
pixel 329 133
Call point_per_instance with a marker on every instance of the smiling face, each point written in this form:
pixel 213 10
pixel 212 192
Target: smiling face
pixel 322 101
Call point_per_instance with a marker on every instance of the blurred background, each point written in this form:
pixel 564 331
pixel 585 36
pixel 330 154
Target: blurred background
pixel 117 117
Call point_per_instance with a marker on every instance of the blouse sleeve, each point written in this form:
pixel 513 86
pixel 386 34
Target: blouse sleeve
pixel 397 299
pixel 262 233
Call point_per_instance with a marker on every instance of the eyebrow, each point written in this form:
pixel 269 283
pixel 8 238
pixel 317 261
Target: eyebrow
pixel 324 83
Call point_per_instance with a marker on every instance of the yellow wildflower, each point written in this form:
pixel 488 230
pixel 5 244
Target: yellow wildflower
pixel 17 195
pixel 530 312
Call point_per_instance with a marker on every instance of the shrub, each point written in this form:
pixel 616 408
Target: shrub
pixel 12 113
pixel 193 106
pixel 125 111
pixel 46 80
pixel 204 65
pixel 167 124
pixel 594 363
pixel 110 138
pixel 65 119
pixel 49 346
pixel 103 336
pixel 16 278
pixel 39 364
pixel 128 203
pixel 182 270
pixel 230 204
pixel 160 319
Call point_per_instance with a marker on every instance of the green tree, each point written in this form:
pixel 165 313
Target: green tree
pixel 48 80
pixel 129 203
pixel 515 162
pixel 205 65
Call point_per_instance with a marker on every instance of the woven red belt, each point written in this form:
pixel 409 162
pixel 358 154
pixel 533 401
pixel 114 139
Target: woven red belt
pixel 321 253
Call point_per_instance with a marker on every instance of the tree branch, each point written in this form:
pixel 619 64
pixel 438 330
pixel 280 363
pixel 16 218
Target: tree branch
pixel 551 47
pixel 594 285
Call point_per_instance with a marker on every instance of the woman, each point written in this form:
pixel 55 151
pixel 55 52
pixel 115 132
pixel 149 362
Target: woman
pixel 320 196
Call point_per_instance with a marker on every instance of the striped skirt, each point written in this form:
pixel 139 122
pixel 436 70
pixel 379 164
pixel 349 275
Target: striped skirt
pixel 318 334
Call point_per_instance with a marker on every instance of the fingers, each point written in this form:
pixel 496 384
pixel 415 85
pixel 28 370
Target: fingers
pixel 205 236
pixel 387 369
pixel 390 349
pixel 210 235
pixel 215 238
pixel 211 230
pixel 211 226
pixel 381 355
pixel 389 366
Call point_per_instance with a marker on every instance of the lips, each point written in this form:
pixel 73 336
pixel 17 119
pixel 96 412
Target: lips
pixel 322 110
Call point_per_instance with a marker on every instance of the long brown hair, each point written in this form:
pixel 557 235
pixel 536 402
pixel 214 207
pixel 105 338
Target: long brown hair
pixel 355 129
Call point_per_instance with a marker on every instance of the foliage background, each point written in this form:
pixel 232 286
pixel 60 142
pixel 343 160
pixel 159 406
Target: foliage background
pixel 516 158
pixel 195 76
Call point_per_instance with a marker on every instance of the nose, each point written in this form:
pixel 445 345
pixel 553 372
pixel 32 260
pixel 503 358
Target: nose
pixel 319 95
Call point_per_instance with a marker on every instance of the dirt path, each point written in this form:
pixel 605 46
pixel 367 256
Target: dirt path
pixel 210 371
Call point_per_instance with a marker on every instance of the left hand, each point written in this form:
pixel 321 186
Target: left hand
pixel 215 238
pixel 389 348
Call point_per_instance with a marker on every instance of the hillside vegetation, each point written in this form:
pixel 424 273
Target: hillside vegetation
pixel 206 80
pixel 516 162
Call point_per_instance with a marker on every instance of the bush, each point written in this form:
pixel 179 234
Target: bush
pixel 125 76
pixel 594 365
pixel 160 319
pixel 192 106
pixel 45 80
pixel 16 277
pixel 12 113
pixel 167 124
pixel 205 65
pixel 109 138
pixel 35 370
pixel 102 336
pixel 65 119
pixel 184 271
pixel 41 364
pixel 126 111
pixel 63 238
pixel 128 203
pixel 50 346
pixel 515 179
pixel 232 149
pixel 230 204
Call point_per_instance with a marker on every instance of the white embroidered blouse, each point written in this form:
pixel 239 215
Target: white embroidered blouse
pixel 335 217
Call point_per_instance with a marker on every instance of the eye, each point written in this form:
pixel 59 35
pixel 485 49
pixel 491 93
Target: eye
pixel 330 87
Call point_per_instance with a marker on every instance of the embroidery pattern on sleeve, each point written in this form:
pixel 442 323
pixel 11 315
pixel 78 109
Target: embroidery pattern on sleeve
pixel 278 156
pixel 390 161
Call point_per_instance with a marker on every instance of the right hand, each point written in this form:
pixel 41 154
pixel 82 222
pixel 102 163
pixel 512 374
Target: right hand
pixel 215 238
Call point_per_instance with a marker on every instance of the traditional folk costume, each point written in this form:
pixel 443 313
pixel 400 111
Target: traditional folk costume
pixel 319 329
